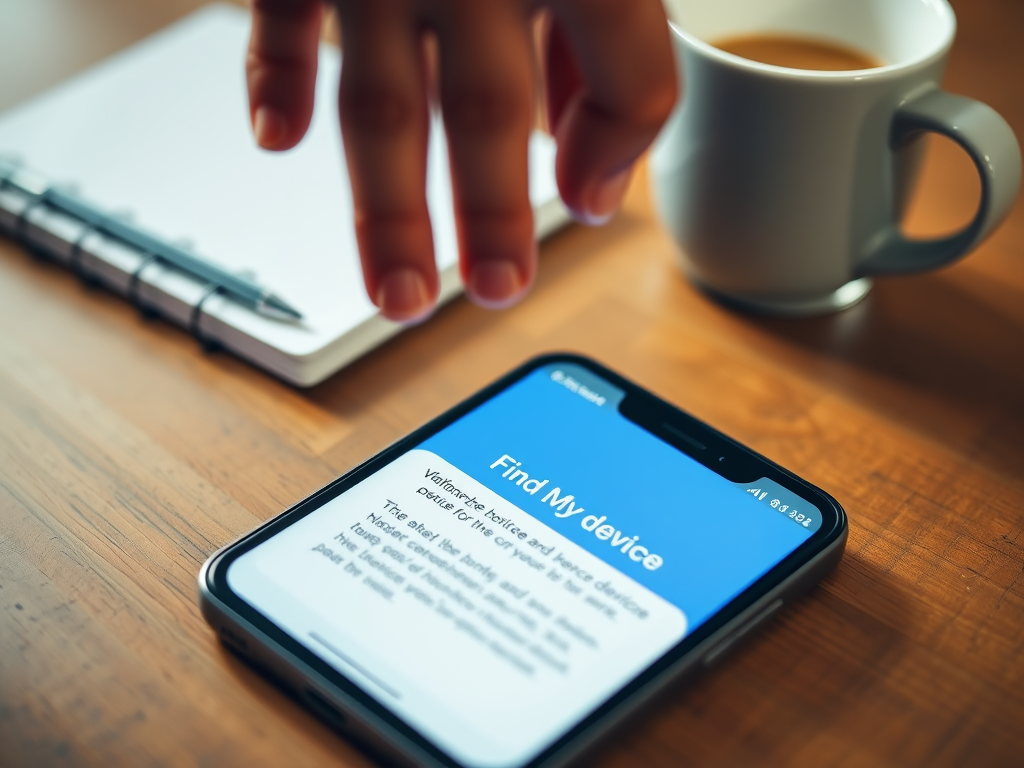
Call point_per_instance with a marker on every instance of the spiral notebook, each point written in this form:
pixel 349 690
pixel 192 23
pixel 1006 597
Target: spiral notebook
pixel 158 135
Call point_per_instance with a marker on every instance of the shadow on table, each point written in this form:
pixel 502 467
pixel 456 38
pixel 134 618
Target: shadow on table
pixel 942 355
pixel 821 670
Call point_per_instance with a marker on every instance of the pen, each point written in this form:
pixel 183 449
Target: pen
pixel 241 290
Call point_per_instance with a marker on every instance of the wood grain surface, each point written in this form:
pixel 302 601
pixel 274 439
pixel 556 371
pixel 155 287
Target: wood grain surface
pixel 127 456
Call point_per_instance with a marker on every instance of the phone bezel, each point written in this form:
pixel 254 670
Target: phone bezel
pixel 689 435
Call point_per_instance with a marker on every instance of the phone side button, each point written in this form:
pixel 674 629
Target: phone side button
pixel 719 650
pixel 234 641
pixel 324 708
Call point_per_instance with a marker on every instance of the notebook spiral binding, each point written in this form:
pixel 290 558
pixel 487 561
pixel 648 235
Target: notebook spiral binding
pixel 76 256
pixel 21 226
pixel 77 266
pixel 148 259
pixel 208 343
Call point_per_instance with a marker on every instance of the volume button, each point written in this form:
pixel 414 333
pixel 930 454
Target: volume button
pixel 325 708
pixel 715 653
pixel 234 641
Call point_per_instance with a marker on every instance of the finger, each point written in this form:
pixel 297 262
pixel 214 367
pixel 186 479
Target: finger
pixel 281 69
pixel 562 75
pixel 486 88
pixel 624 55
pixel 384 123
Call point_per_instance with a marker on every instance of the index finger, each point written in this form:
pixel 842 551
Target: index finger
pixel 280 69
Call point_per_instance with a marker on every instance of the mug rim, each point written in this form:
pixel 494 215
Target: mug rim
pixel 873 73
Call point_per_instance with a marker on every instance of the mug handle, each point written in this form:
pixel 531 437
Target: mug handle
pixel 990 142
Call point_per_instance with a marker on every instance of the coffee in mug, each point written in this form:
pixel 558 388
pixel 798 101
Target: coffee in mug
pixel 782 176
pixel 796 52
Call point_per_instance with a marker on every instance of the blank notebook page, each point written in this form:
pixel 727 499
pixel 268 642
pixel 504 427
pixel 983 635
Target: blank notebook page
pixel 161 130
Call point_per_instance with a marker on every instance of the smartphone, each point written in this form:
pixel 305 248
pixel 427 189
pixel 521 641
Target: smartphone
pixel 499 588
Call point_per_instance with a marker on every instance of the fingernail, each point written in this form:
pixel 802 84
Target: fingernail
pixel 495 283
pixel 606 198
pixel 403 296
pixel 269 126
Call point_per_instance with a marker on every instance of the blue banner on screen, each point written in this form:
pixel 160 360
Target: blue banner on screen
pixel 564 455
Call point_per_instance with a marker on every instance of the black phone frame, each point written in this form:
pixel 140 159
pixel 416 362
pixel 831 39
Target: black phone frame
pixel 689 435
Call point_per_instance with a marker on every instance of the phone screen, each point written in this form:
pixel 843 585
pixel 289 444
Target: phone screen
pixel 505 577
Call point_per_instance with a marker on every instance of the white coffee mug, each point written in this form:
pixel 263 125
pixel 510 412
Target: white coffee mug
pixel 783 187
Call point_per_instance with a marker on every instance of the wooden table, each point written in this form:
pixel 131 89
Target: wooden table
pixel 127 456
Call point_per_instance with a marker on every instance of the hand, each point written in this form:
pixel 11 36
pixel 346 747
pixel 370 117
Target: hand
pixel 610 81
